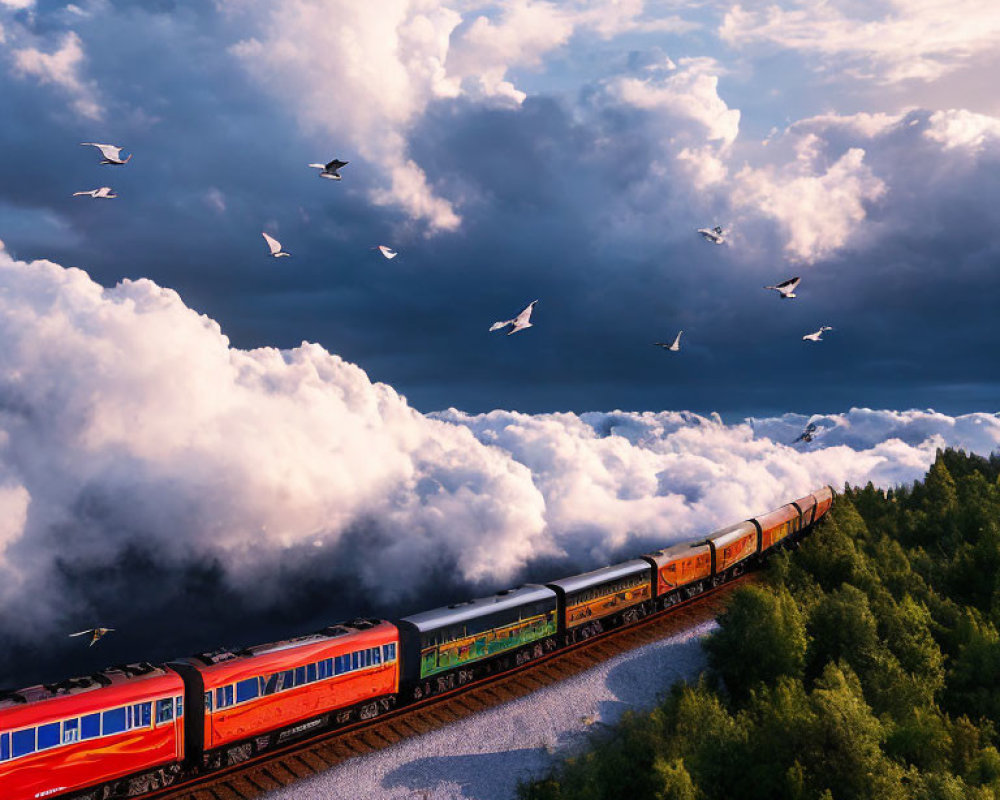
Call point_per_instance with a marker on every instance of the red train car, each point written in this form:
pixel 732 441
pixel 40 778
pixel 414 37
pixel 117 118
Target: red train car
pixel 119 725
pixel 682 570
pixel 732 546
pixel 778 525
pixel 807 506
pixel 246 702
pixel 824 499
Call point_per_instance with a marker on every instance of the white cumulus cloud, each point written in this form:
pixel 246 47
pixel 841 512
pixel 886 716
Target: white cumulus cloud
pixel 62 67
pixel 960 128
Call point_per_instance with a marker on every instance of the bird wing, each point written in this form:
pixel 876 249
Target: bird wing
pixel 336 164
pixel 82 633
pixel 790 284
pixel 103 631
pixel 677 341
pixel 318 166
pixel 388 252
pixel 272 243
pixel 498 325
pixel 524 316
pixel 109 151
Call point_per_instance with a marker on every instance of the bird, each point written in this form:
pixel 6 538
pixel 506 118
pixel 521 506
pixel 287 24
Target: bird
pixel 275 246
pixel 807 434
pixel 714 235
pixel 519 323
pixel 671 347
pixel 98 633
pixel 816 335
pixel 329 171
pixel 112 153
pixel 104 193
pixel 388 252
pixel 786 288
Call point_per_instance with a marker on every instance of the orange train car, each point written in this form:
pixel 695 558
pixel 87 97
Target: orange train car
pixel 245 702
pixel 681 571
pixel 824 499
pixel 732 547
pixel 778 525
pixel 118 725
pixel 604 597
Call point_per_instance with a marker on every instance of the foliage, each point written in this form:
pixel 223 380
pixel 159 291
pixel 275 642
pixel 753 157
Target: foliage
pixel 865 666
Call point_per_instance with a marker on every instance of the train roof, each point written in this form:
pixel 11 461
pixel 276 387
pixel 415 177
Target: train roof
pixel 779 515
pixel 576 583
pixel 480 607
pixel 123 676
pixel 323 636
pixel 731 532
pixel 679 550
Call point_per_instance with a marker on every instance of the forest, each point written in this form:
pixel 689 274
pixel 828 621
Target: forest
pixel 864 664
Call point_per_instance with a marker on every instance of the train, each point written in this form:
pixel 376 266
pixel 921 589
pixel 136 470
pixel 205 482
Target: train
pixel 133 729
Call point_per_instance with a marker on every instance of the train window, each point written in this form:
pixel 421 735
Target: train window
pixel 329 667
pixel 164 710
pixel 287 679
pixel 90 726
pixel 355 660
pixel 113 721
pixel 140 715
pixel 71 731
pixel 247 690
pixel 48 735
pixel 376 655
pixel 180 707
pixel 224 696
pixel 300 676
pixel 271 684
pixel 311 673
pixel 4 746
pixel 342 664
pixel 389 651
pixel 323 670
pixel 22 742
pixel 208 702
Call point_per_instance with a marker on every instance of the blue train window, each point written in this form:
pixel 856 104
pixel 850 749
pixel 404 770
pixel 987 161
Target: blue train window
pixel 22 742
pixel 311 673
pixel 341 664
pixel 322 671
pixel 329 667
pixel 4 746
pixel 140 715
pixel 208 702
pixel 287 679
pixel 355 661
pixel 271 684
pixel 71 731
pixel 224 696
pixel 90 726
pixel 376 655
pixel 113 721
pixel 180 707
pixel 164 710
pixel 247 690
pixel 48 735
pixel 300 676
pixel 389 651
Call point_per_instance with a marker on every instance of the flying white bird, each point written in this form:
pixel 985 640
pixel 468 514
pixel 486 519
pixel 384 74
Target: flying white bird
pixel 329 171
pixel 388 252
pixel 104 193
pixel 786 288
pixel 97 634
pixel 275 246
pixel 112 154
pixel 817 335
pixel 671 347
pixel 714 235
pixel 519 323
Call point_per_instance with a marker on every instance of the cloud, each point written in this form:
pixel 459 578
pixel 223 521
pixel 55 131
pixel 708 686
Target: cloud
pixel 902 40
pixel 131 432
pixel 61 68
pixel 818 210
pixel 959 128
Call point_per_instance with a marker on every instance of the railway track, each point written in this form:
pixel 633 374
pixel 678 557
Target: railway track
pixel 303 760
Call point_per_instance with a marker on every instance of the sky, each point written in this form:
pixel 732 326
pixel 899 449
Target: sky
pixel 197 440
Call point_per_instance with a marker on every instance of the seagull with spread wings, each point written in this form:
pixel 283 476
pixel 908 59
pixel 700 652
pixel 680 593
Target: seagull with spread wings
pixel 786 288
pixel 330 170
pixel 519 323
pixel 274 245
pixel 98 633
pixel 104 193
pixel 112 153
pixel 674 347
pixel 816 336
